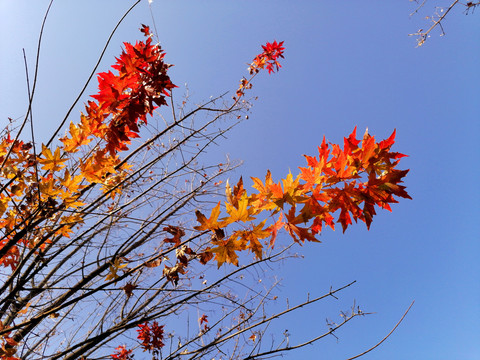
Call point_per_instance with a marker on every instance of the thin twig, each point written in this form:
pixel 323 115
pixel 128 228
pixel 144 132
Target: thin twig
pixel 386 337
pixel 33 87
pixel 31 126
pixel 418 7
pixel 423 35
pixel 91 74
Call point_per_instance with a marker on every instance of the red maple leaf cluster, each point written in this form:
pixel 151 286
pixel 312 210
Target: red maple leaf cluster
pixel 151 339
pixel 122 353
pixel 268 58
pixel 151 336
pixel 126 98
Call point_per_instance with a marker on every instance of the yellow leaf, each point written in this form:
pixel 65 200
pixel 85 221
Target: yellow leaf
pixel 240 212
pixel 79 137
pixel 52 162
pixel 113 268
pixel 71 183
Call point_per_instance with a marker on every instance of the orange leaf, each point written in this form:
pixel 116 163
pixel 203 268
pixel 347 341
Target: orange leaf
pixel 299 234
pixel 252 236
pixel 226 251
pixel 274 229
pixel 211 223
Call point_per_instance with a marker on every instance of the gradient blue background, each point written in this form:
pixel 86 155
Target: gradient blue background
pixel 346 64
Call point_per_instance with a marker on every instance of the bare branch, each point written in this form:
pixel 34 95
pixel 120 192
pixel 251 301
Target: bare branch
pixel 386 337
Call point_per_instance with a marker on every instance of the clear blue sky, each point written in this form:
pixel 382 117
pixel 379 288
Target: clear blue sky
pixel 346 64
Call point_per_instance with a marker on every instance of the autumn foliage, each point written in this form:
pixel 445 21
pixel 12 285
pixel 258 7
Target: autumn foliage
pixel 42 196
pixel 123 102
pixel 351 181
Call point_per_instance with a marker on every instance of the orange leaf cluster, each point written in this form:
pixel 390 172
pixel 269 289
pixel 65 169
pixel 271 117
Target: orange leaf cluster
pixel 41 187
pixel 29 198
pixel 349 181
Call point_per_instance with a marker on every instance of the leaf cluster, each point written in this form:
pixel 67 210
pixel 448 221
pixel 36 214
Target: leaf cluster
pixel 351 182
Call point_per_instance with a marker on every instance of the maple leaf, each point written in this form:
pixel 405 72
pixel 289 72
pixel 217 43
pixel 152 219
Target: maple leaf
pixel 127 97
pixel 151 336
pixel 234 196
pixel 91 171
pixel 323 150
pixel 331 183
pixel 312 175
pixel 122 353
pixel 391 180
pixel 71 183
pixel 387 143
pixel 299 234
pixel 273 229
pixel 293 193
pixel 264 190
pixel 128 288
pixel 52 162
pixel 341 167
pixel 210 223
pixel 72 186
pixel 369 212
pixel 78 137
pixel 344 219
pixel 205 257
pixel 12 256
pixel 153 263
pixel 252 236
pixel 203 320
pixel 172 272
pixel 255 246
pixel 145 29
pixel 271 52
pixel 181 254
pixel 67 223
pixel 49 187
pixel 113 268
pixel 97 166
pixel 350 144
pixel 226 250
pixel 262 200
pixel 177 235
pixel 240 212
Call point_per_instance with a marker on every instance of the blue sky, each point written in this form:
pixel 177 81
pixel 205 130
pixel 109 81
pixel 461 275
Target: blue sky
pixel 346 64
